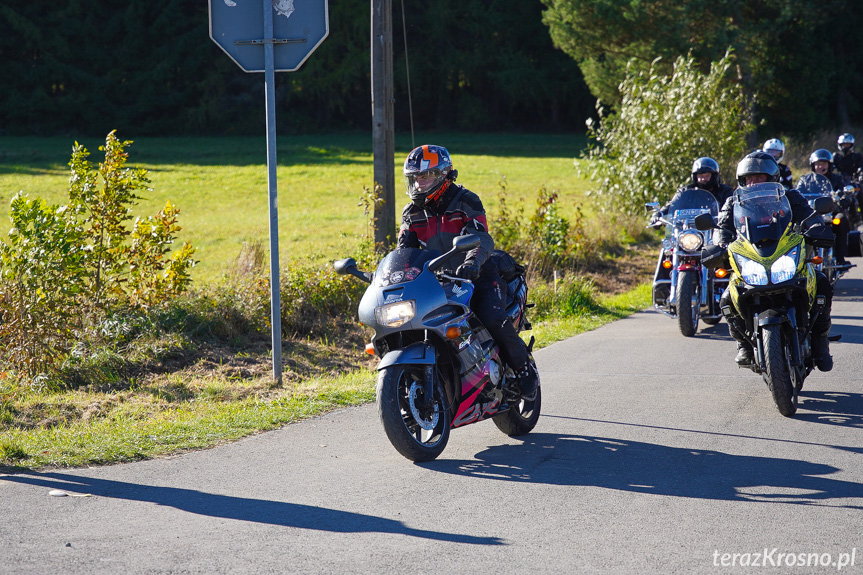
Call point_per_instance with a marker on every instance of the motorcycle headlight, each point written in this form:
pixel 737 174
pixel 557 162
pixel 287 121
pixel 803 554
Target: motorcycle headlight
pixel 396 314
pixel 785 267
pixel 690 241
pixel 752 272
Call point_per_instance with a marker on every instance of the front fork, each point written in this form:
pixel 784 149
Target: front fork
pixel 428 388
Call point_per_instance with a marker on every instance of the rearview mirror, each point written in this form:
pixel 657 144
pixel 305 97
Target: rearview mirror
pixel 466 243
pixel 824 205
pixel 344 266
pixel 704 222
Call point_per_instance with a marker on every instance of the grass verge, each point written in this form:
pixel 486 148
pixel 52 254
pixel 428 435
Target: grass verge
pixel 78 428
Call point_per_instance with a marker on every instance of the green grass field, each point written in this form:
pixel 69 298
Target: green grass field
pixel 220 184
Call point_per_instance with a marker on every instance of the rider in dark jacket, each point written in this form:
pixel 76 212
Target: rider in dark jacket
pixel 756 168
pixel 440 210
pixel 821 162
pixel 847 161
pixel 705 175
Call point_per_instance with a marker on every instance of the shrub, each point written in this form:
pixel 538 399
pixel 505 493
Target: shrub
pixel 645 150
pixel 546 241
pixel 68 269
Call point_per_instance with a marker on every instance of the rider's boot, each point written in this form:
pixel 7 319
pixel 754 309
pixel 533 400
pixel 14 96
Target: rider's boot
pixel 527 380
pixel 744 355
pixel 821 352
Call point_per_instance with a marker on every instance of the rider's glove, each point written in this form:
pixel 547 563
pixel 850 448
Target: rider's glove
pixel 654 221
pixel 468 270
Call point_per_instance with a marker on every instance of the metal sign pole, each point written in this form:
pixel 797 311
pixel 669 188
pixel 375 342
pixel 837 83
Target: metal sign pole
pixel 275 296
pixel 235 27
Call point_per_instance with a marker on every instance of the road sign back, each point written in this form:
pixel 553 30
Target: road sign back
pixel 299 26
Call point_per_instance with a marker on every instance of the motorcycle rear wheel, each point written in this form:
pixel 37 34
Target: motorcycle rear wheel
pixel 688 302
pixel 420 433
pixel 521 417
pixel 777 369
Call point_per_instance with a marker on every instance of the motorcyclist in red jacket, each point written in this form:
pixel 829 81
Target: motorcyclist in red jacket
pixel 440 210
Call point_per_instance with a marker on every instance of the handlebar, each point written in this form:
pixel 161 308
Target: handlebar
pixel 446 276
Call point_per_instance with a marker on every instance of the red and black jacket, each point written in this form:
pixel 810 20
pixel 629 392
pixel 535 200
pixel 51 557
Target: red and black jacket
pixel 457 213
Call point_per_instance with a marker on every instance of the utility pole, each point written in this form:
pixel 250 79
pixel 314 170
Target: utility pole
pixel 383 119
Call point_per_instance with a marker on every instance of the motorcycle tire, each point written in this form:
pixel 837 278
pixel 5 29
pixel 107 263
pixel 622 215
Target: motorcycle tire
pixel 711 320
pixel 418 433
pixel 777 369
pixel 521 417
pixel 688 302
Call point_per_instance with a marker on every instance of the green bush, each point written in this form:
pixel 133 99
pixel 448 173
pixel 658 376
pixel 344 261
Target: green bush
pixel 67 270
pixel 644 151
pixel 567 297
pixel 545 241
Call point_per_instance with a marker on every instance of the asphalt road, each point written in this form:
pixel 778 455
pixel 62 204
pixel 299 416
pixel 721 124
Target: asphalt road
pixel 654 454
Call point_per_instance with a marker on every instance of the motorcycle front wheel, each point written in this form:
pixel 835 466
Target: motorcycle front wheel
pixel 418 429
pixel 688 302
pixel 777 369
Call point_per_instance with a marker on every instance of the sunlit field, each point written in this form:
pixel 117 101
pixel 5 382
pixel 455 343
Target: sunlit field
pixel 220 184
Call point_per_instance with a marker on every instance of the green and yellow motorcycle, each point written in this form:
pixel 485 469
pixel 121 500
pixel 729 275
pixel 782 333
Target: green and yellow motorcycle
pixel 772 286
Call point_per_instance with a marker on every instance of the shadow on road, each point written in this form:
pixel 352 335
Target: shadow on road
pixel 658 469
pixel 239 508
pixel 832 407
pixel 850 333
pixel 848 289
pixel 718 331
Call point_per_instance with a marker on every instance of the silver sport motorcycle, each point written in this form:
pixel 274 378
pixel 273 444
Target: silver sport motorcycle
pixel 439 367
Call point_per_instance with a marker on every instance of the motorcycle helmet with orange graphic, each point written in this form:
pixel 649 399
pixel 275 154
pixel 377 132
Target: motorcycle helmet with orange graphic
pixel 428 173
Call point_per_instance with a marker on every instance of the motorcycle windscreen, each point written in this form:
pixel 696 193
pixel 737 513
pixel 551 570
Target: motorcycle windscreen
pixel 813 186
pixel 688 203
pixel 402 265
pixel 762 213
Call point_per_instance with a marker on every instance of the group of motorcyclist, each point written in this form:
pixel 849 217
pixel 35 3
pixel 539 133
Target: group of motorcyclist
pixel 765 166
pixel 440 210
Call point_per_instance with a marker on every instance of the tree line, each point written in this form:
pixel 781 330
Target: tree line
pixel 800 61
pixel 86 68
pixel 150 68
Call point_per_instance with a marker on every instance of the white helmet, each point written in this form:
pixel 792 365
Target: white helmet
pixel 775 148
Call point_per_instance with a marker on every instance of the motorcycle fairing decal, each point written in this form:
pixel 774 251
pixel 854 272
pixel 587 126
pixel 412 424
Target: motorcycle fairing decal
pixel 473 379
pixel 467 408
pixel 476 412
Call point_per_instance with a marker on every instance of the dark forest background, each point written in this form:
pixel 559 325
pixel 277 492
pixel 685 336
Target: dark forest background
pixel 83 68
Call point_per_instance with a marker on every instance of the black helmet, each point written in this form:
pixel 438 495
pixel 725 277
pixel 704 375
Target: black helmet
pixel 821 155
pixel 428 173
pixel 845 138
pixel 757 163
pixel 706 166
